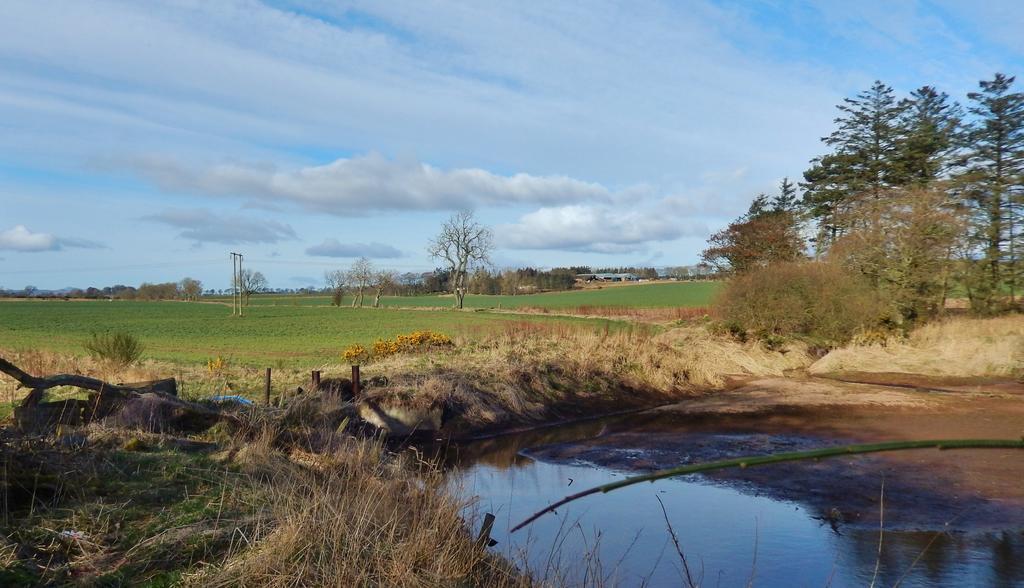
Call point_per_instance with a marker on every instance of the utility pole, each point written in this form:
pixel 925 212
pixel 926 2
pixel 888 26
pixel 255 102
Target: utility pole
pixel 236 283
pixel 241 286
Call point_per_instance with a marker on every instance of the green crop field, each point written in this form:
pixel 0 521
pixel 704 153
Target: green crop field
pixel 657 295
pixel 187 332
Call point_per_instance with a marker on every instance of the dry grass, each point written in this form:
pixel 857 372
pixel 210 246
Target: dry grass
pixel 358 516
pixel 535 374
pixel 257 514
pixel 49 362
pixel 529 372
pixel 962 347
pixel 111 505
pixel 651 315
pixel 195 381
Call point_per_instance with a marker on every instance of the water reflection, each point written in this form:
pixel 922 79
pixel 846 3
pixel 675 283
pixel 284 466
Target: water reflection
pixel 727 530
pixel 936 558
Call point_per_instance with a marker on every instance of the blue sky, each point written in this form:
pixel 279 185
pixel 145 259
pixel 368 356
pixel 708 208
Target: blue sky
pixel 143 141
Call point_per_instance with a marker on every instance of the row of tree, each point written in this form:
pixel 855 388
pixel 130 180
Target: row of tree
pixel 917 194
pixel 359 279
pixel 363 277
pixel 186 289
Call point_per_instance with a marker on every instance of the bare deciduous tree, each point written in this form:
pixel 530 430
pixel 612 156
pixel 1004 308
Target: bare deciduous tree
pixel 190 289
pixel 251 282
pixel 336 280
pixel 359 276
pixel 462 244
pixel 382 280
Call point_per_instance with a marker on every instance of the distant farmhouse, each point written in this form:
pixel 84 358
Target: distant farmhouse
pixel 627 277
pixel 684 272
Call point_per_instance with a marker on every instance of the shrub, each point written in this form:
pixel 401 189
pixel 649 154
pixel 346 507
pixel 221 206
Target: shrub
pixel 817 301
pixel 118 350
pixel 355 354
pixel 415 341
pixel 216 366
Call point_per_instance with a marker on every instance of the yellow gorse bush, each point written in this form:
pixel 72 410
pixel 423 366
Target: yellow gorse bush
pixel 409 343
pixel 385 347
pixel 216 365
pixel 355 354
pixel 414 341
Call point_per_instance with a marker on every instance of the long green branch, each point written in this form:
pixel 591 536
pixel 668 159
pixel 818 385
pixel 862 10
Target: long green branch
pixel 743 462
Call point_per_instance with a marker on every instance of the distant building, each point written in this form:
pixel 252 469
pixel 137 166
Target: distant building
pixel 627 277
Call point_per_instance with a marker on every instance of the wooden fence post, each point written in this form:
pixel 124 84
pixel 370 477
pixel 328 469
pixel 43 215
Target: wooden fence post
pixel 266 388
pixel 484 538
pixel 356 384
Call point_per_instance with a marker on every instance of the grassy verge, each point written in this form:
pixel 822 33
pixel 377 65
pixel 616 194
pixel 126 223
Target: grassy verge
pixel 118 509
pixel 110 507
pixel 528 373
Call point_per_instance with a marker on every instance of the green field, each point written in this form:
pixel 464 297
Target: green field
pixel 195 332
pixel 657 295
pixel 295 329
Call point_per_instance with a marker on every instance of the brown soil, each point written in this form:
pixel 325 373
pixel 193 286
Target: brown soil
pixel 976 385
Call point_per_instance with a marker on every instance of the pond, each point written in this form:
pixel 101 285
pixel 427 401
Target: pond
pixel 807 524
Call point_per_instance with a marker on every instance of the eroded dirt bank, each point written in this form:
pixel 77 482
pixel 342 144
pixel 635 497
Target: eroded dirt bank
pixel 923 490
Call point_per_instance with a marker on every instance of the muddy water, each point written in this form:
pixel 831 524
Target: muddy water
pixel 949 518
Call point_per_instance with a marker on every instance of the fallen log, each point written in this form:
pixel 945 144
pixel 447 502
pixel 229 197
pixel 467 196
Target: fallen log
pixel 152 406
pixel 26 380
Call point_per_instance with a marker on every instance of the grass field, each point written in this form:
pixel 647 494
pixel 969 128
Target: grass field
pixel 658 295
pixel 180 331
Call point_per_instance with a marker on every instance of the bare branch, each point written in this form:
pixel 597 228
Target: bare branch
pixel 463 244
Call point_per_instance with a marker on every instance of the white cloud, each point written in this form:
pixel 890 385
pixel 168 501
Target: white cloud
pixel 654 94
pixel 353 187
pixel 595 229
pixel 20 238
pixel 335 248
pixel 460 85
pixel 205 226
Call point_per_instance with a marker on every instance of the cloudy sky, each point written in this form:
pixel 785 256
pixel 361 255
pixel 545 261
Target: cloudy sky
pixel 143 141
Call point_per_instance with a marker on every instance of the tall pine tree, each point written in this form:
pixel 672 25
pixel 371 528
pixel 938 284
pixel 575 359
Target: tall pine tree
pixel 786 199
pixel 760 206
pixel 866 144
pixel 991 177
pixel 931 125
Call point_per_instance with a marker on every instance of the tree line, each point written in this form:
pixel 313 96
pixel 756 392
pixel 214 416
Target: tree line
pixel 920 196
pixel 187 289
pixel 363 279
